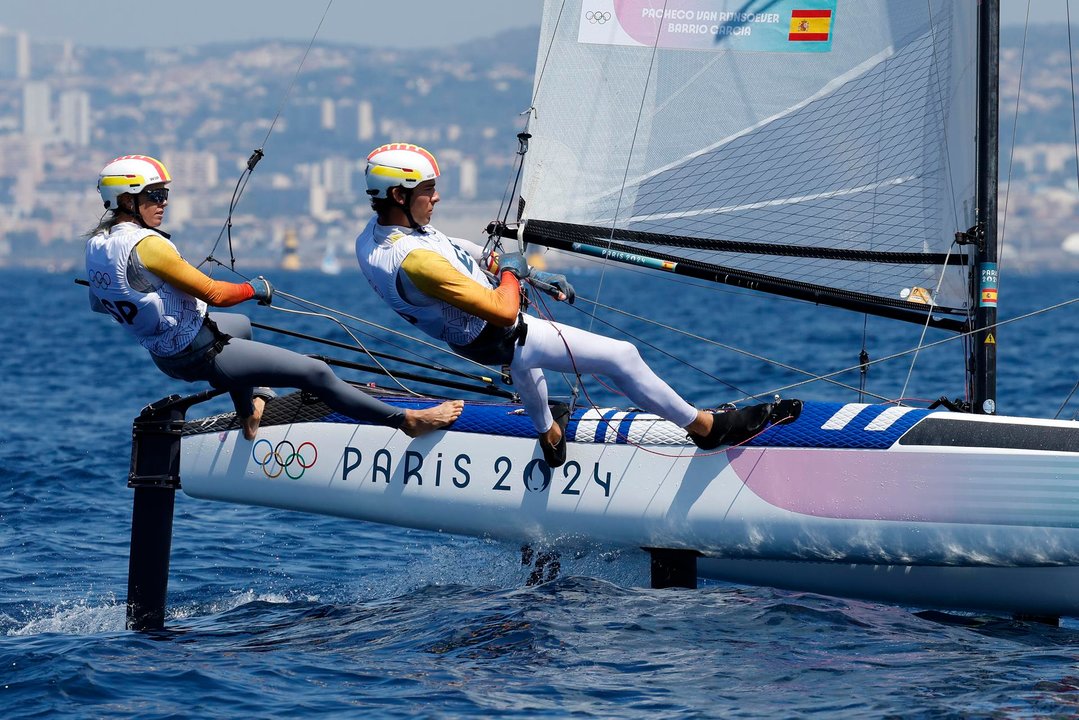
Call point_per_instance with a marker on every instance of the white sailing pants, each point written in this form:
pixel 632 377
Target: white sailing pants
pixel 588 354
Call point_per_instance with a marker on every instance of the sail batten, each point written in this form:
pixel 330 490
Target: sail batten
pixel 845 163
pixel 931 315
pixel 599 234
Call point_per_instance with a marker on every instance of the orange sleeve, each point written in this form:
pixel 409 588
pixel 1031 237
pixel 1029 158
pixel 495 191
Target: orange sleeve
pixel 162 260
pixel 434 276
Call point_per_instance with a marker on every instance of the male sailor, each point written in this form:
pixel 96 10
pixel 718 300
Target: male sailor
pixel 451 290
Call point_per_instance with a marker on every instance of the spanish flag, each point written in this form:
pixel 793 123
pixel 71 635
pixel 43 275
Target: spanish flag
pixel 810 25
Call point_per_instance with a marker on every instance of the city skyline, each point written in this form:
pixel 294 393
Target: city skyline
pixel 202 109
pixel 426 23
pixel 430 23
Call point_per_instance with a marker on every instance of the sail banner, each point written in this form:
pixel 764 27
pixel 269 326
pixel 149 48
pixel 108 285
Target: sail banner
pixel 727 25
pixel 722 141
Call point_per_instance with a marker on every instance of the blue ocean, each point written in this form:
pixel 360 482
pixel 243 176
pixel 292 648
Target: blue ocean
pixel 277 614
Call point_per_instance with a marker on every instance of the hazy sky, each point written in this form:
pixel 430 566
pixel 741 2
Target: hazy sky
pixel 422 23
pixel 406 23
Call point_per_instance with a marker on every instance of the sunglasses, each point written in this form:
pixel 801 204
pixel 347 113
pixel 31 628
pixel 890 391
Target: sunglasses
pixel 156 195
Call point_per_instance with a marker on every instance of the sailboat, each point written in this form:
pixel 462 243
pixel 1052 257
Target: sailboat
pixel 841 152
pixel 330 265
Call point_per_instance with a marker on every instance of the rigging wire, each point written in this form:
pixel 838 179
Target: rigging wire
pixel 615 425
pixel 257 154
pixel 629 155
pixel 1071 72
pixel 745 353
pixel 355 339
pixel 1075 138
pixel 925 329
pixel 1066 401
pixel 1075 141
pixel 949 339
pixel 576 387
pixel 504 206
pixel 506 203
pixel 949 171
pixel 653 346
pixel 332 313
pixel 629 159
pixel 382 328
pixel 1015 121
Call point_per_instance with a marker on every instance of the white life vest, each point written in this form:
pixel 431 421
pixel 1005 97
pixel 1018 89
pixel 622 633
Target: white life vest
pixel 164 320
pixel 381 250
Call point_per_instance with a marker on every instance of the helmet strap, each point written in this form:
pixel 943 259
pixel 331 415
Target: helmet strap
pixel 134 212
pixel 406 207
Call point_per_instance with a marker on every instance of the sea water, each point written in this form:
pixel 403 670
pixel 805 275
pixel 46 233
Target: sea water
pixel 275 614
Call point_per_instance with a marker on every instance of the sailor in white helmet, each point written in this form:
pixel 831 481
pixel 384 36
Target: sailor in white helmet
pixel 449 289
pixel 137 276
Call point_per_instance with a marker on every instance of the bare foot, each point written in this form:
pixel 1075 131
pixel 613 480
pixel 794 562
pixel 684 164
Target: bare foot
pixel 702 425
pixel 421 422
pixel 552 436
pixel 251 423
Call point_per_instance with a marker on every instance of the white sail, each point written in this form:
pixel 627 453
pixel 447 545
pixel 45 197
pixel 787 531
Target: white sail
pixel 714 119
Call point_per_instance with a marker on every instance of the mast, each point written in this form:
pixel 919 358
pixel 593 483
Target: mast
pixel 983 277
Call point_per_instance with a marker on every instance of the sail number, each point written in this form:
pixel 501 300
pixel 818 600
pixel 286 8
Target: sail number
pixel 535 476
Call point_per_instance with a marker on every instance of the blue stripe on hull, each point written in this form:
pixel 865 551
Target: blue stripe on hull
pixel 821 424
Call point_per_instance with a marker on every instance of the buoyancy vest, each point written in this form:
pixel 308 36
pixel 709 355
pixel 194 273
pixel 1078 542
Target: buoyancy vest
pixel 382 249
pixel 163 319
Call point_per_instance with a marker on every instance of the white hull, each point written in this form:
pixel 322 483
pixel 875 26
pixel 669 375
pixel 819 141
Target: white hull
pixel 942 526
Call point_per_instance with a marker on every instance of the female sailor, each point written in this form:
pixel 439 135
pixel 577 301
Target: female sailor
pixel 137 276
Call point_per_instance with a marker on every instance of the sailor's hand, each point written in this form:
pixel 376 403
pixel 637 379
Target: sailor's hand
pixel 514 263
pixel 263 290
pixel 555 285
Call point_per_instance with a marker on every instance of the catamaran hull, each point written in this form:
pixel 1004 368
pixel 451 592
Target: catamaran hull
pixel 1033 591
pixel 929 522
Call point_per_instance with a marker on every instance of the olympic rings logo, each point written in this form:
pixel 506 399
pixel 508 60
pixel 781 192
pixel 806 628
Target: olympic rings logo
pixel 597 17
pixel 281 458
pixel 100 279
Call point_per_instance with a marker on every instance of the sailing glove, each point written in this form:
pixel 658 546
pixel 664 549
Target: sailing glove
pixel 555 285
pixel 514 263
pixel 263 290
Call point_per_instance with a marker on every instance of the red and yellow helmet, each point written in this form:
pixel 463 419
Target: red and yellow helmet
pixel 129 174
pixel 398 165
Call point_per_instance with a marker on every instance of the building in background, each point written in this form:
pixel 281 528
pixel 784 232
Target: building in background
pixel 365 121
pixel 73 122
pixel 336 176
pixel 14 55
pixel 192 171
pixel 37 110
pixel 328 114
pixel 469 179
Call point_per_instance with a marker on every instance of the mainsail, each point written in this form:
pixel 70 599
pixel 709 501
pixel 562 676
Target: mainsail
pixel 822 149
